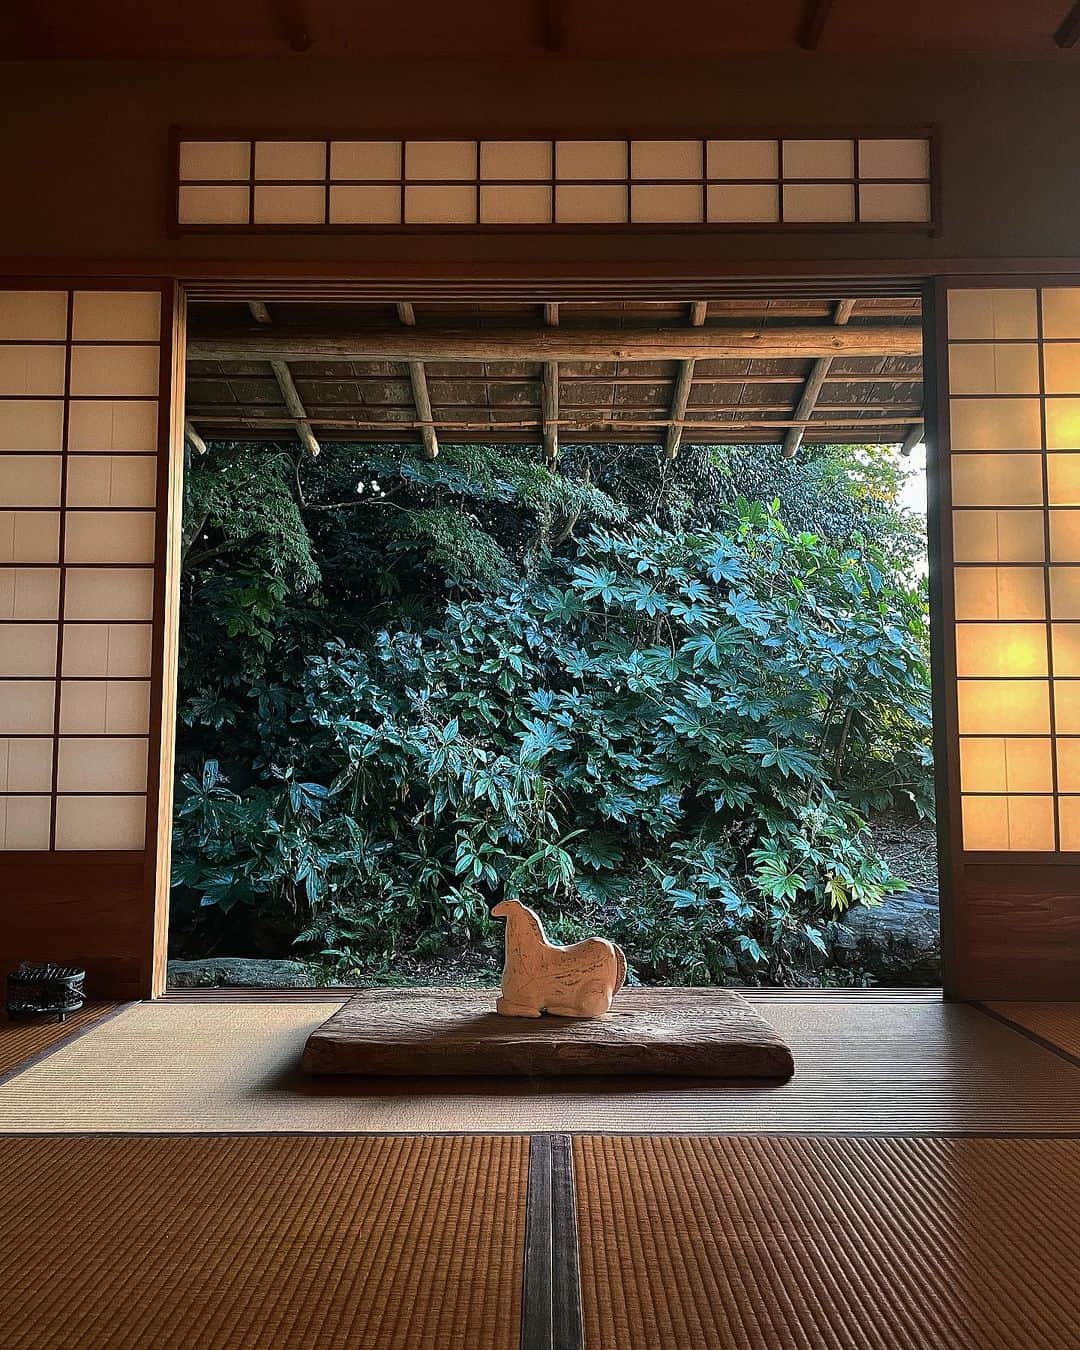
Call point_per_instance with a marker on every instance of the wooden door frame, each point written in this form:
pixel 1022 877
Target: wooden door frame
pixel 826 279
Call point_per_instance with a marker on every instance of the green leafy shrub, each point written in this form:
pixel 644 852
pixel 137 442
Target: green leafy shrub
pixel 671 727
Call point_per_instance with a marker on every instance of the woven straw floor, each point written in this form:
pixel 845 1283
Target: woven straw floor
pixel 1058 1023
pixel 21 1041
pixel 259 1242
pixel 861 1067
pixel 857 1244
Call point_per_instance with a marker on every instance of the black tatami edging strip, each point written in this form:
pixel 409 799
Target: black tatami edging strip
pixel 551 1294
pixel 1019 1027
pixel 536 1302
pixel 566 1319
pixel 60 1044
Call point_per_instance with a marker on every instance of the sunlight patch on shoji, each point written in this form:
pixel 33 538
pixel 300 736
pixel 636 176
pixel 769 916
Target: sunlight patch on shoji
pixel 79 438
pixel 1014 421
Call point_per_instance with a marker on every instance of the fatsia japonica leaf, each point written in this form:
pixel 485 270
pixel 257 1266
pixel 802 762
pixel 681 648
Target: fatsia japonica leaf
pixel 614 689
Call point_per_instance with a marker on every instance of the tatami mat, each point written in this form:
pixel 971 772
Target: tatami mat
pixel 22 1040
pixel 262 1242
pixel 852 1244
pixel 1058 1023
pixel 861 1067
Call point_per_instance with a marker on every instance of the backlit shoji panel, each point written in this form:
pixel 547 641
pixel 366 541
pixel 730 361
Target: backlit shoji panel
pixel 79 434
pixel 1014 425
pixel 706 181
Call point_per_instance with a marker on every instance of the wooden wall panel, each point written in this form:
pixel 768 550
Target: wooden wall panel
pixel 85 148
pixel 83 909
pixel 1019 932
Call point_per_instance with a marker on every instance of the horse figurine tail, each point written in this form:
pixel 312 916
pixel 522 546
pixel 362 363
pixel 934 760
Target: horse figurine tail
pixel 620 968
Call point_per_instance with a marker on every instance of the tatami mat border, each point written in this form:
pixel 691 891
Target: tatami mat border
pixel 1030 1033
pixel 74 1033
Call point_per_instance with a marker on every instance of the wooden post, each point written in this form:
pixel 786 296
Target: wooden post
pixel 295 406
pixel 421 396
pixel 193 438
pixel 812 391
pixel 424 414
pixel 684 382
pixel 550 396
pixel 913 438
pixel 287 386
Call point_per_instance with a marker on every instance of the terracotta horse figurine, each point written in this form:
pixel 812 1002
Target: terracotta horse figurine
pixel 540 976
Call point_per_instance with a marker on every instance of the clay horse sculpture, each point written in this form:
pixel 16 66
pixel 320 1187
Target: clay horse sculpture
pixel 539 976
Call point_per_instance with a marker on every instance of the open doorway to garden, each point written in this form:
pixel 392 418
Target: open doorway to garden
pixel 620 609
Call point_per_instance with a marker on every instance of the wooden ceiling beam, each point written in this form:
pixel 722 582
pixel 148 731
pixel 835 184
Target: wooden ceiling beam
pixel 534 407
pixel 292 23
pixel 550 414
pixel 582 423
pixel 549 395
pixel 422 399
pixel 551 344
pixel 193 438
pixel 684 382
pixel 1068 31
pixel 287 386
pixel 602 436
pixel 421 396
pixel 551 25
pixel 815 381
pixel 630 381
pixel 913 438
pixel 812 27
pixel 295 406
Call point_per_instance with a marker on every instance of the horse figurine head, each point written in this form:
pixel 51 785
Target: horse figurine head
pixel 505 908
pixel 541 976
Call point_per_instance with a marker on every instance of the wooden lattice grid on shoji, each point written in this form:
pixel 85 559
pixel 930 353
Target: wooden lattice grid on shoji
pixel 868 179
pixel 80 377
pixel 1014 433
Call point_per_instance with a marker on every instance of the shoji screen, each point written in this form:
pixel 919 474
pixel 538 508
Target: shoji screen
pixel 715 182
pixel 1014 433
pixel 84 440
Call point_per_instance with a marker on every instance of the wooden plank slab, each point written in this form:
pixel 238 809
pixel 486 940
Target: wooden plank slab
pixel 696 1033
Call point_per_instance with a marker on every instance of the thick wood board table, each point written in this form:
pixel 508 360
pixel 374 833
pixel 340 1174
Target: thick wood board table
pixel 697 1033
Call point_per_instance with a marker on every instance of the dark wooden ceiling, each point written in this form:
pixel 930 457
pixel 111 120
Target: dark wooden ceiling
pixel 505 28
pixel 752 398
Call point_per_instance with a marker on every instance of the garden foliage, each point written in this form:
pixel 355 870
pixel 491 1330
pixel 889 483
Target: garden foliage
pixel 626 694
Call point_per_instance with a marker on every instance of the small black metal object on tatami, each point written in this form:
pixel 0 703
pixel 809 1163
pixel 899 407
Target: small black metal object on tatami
pixel 45 990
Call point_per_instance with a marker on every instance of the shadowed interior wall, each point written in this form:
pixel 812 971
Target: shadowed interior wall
pixel 86 171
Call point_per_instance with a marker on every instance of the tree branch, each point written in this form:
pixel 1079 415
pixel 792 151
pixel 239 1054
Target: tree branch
pixel 226 547
pixel 190 538
pixel 305 505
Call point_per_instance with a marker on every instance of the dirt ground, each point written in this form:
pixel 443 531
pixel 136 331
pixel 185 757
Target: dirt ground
pixel 910 846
